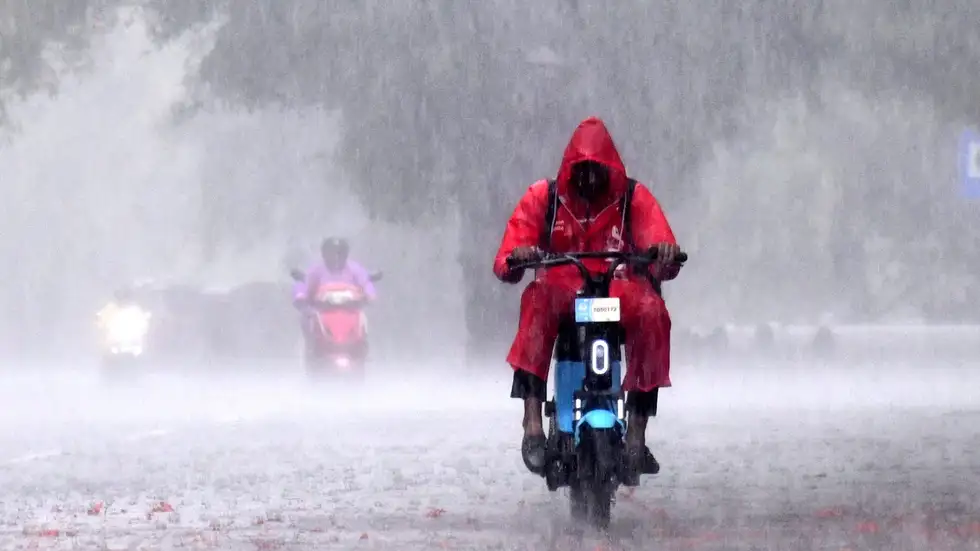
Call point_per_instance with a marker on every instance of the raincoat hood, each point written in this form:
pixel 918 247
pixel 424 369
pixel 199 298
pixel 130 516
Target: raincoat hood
pixel 591 142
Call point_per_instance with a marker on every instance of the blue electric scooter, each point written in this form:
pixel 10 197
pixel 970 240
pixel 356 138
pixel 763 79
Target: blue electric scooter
pixel 587 426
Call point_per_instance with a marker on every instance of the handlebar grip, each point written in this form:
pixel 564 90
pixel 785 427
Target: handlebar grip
pixel 680 257
pixel 524 262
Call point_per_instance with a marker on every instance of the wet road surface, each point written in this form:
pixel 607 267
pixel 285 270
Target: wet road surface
pixel 753 459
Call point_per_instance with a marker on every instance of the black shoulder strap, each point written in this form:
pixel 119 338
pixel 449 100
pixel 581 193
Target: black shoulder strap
pixel 628 230
pixel 550 215
pixel 627 219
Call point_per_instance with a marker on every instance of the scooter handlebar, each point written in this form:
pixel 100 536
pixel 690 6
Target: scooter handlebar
pixel 550 260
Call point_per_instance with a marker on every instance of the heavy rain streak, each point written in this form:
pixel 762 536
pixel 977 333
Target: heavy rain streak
pixel 180 367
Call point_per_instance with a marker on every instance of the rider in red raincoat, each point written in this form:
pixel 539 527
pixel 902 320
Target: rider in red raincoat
pixel 589 216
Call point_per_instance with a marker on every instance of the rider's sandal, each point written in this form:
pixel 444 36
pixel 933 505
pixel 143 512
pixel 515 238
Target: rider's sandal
pixel 533 448
pixel 650 464
pixel 638 461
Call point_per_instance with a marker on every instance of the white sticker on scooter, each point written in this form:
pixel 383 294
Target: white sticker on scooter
pixel 596 310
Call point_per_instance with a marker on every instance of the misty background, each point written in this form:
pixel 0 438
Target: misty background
pixel 804 152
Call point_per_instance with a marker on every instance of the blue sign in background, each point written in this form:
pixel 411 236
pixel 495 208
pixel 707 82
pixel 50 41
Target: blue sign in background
pixel 969 164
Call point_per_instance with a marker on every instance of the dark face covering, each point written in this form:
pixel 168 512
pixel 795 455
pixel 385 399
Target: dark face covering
pixel 590 180
pixel 333 260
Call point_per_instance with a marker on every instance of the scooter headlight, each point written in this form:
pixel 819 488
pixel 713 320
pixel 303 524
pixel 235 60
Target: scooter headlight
pixel 600 357
pixel 338 297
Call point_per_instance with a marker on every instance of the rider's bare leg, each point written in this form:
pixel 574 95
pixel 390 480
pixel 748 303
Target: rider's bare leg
pixel 641 406
pixel 533 421
pixel 636 432
pixel 532 389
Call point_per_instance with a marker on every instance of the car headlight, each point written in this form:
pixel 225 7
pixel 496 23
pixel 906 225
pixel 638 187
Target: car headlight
pixel 128 325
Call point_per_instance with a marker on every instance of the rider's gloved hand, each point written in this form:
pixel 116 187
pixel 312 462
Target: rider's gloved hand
pixel 665 266
pixel 525 254
pixel 517 256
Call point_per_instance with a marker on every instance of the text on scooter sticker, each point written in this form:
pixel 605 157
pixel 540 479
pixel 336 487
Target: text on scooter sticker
pixel 596 310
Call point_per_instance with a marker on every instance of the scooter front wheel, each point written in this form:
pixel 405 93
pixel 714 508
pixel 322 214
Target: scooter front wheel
pixel 598 458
